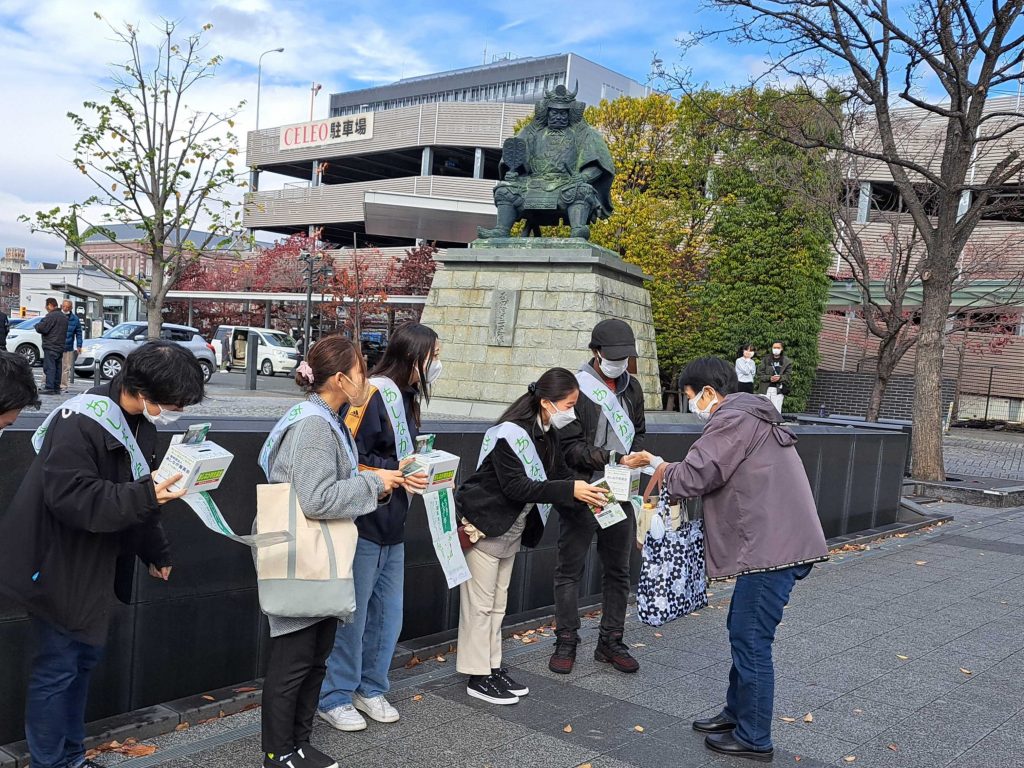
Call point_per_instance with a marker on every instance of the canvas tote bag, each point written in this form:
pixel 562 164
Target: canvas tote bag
pixel 311 575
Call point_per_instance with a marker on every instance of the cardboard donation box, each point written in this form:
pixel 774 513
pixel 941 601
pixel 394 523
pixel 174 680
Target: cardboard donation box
pixel 439 466
pixel 623 481
pixel 202 466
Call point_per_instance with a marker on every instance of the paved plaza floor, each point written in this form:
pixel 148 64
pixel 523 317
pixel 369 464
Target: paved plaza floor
pixel 909 654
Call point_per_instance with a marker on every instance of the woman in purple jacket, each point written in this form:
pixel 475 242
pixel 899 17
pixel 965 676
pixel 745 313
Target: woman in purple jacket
pixel 761 526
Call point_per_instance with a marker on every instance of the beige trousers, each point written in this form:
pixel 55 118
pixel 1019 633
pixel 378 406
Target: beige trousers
pixel 65 369
pixel 482 602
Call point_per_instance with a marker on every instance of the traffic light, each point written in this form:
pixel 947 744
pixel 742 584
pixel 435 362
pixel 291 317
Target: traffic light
pixel 23 312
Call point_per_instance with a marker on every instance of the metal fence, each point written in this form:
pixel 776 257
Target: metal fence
pixel 990 391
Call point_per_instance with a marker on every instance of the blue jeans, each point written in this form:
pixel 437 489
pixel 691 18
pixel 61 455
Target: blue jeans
pixel 57 691
pixel 364 647
pixel 52 362
pixel 754 613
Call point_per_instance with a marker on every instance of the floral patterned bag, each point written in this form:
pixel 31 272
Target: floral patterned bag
pixel 673 577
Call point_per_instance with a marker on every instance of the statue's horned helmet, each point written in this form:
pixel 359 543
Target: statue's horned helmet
pixel 561 97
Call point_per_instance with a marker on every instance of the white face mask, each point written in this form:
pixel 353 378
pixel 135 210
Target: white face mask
pixel 164 417
pixel 776 352
pixel 702 413
pixel 434 371
pixel 560 419
pixel 614 368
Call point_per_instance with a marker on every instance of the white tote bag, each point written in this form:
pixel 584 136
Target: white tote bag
pixel 776 399
pixel 311 575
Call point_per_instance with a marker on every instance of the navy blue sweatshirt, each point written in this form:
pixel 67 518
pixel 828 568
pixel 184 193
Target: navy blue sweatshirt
pixel 376 444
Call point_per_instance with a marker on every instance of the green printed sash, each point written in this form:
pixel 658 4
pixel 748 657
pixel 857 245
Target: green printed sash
pixel 598 393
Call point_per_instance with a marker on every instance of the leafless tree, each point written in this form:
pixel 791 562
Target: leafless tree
pixel 878 55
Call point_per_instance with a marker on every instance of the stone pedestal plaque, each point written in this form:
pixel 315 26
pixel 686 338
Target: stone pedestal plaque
pixel 508 309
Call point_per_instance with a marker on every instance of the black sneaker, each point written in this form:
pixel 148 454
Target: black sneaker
pixel 500 676
pixel 290 760
pixel 315 758
pixel 490 690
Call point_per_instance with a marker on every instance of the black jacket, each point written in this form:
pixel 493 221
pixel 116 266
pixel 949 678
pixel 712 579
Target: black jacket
pixel 70 535
pixel 494 496
pixel 375 441
pixel 54 330
pixel 766 370
pixel 579 439
pixel 5 327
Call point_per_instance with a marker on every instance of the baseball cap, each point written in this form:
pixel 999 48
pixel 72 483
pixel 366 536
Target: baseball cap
pixel 615 339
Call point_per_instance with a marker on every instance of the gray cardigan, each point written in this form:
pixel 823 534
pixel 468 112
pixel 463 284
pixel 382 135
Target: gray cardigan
pixel 323 481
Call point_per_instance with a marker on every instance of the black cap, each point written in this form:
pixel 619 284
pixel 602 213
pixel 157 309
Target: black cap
pixel 614 338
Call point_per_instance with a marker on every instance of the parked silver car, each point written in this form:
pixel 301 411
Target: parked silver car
pixel 115 345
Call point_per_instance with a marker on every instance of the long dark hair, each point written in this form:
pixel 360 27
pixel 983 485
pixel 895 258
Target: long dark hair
pixel 744 347
pixel 554 385
pixel 411 348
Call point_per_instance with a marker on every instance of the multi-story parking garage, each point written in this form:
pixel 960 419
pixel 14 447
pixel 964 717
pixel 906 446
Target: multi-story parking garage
pixel 416 159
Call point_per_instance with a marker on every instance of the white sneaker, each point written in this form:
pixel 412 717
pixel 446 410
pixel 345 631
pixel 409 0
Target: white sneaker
pixel 344 718
pixel 378 708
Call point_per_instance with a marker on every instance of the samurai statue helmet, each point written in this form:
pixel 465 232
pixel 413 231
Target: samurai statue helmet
pixel 560 98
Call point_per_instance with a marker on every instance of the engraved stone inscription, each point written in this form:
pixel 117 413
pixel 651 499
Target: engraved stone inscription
pixel 504 307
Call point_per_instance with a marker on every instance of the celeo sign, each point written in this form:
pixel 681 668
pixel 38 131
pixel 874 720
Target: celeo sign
pixel 334 130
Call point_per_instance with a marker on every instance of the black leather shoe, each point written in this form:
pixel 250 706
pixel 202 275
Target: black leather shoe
pixel 716 724
pixel 726 744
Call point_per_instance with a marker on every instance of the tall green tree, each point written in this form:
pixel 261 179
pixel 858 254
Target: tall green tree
pixel 769 250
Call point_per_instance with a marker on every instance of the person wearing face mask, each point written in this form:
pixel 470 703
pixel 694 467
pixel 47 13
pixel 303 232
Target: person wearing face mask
pixel 746 368
pixel 385 431
pixel 761 528
pixel 774 374
pixel 318 456
pixel 609 417
pixel 75 526
pixel 17 388
pixel 504 505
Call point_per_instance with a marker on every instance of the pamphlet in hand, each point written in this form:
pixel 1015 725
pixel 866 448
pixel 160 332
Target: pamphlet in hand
pixel 612 511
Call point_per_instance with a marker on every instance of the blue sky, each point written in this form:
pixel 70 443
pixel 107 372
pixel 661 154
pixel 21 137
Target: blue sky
pixel 58 56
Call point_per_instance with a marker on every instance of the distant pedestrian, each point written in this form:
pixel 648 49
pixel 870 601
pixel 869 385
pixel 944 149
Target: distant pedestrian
pixel 69 539
pixel 762 529
pixel 54 330
pixel 5 328
pixel 72 344
pixel 746 368
pixel 17 388
pixel 774 375
pixel 501 505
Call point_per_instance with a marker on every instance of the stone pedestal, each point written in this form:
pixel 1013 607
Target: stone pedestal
pixel 507 310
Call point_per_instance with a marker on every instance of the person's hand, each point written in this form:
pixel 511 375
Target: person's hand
pixel 635 460
pixel 588 494
pixel 415 482
pixel 392 478
pixel 163 573
pixel 163 492
pixel 776 378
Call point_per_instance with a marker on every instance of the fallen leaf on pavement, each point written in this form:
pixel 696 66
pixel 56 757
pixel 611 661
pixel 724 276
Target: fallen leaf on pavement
pixel 658 634
pixel 921 562
pixel 246 689
pixel 638 728
pixel 413 662
pixel 567 729
pixel 850 759
pixel 418 697
pixel 797 758
pixel 585 765
pixel 209 698
pixel 858 711
pixel 138 750
pixel 639 645
pixel 182 727
pixel 788 719
pixel 440 658
pixel 894 748
pixel 901 657
pixel 808 718
pixel 966 671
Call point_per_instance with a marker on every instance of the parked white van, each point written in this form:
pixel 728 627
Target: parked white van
pixel 277 351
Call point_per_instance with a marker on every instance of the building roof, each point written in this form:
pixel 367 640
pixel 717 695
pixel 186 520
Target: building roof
pixel 133 233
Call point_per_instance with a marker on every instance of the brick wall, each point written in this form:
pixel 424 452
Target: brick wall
pixel 848 394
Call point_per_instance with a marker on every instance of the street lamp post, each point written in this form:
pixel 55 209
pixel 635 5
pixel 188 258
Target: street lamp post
pixel 313 269
pixel 259 81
